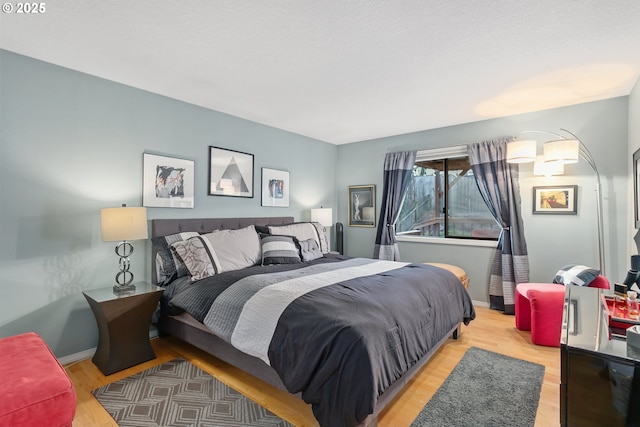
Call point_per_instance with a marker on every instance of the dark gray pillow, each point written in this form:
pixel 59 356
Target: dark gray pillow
pixel 310 250
pixel 262 229
pixel 279 250
pixel 574 274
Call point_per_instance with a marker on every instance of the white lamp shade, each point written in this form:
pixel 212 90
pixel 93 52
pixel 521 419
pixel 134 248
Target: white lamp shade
pixel 547 169
pixel 563 151
pixel 521 151
pixel 123 223
pixel 324 216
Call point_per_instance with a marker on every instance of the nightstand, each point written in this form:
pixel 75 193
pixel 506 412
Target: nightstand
pixel 123 324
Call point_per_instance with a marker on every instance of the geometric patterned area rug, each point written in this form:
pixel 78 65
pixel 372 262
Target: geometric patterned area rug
pixel 486 389
pixel 178 393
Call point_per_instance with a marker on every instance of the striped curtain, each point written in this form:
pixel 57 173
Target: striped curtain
pixel 498 184
pixel 397 173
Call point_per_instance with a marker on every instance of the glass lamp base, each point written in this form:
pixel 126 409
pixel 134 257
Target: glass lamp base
pixel 124 289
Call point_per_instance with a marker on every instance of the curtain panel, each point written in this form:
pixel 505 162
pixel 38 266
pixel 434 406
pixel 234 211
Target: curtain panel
pixel 498 182
pixel 398 167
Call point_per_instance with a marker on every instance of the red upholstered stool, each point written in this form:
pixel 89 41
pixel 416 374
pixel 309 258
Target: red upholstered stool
pixel 36 390
pixel 546 316
pixel 539 310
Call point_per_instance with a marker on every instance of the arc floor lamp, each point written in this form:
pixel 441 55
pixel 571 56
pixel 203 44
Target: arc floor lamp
pixel 558 152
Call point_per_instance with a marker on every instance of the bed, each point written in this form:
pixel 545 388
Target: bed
pixel 323 327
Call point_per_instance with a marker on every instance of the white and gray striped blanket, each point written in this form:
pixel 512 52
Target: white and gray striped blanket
pixel 339 331
pixel 247 313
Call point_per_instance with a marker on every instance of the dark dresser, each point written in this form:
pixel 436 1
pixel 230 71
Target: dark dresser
pixel 600 378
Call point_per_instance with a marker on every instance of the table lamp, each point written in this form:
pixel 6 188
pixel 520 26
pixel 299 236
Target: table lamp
pixel 120 225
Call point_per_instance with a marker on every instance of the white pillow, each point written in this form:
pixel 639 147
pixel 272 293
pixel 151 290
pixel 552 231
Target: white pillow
pixel 220 251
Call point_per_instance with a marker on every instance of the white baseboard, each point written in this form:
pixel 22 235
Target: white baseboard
pixel 481 304
pixel 76 357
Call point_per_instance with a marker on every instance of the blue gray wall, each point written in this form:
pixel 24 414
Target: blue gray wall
pixel 72 144
pixel 553 241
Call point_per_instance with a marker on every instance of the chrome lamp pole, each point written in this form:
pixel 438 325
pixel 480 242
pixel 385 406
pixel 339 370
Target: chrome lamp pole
pixel 586 154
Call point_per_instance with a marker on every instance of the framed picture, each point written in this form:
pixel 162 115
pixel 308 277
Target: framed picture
pixel 167 182
pixel 275 188
pixel 561 199
pixel 636 187
pixel 362 206
pixel 230 173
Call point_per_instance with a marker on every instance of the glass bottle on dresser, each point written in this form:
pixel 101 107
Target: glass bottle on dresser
pixel 620 294
pixel 633 309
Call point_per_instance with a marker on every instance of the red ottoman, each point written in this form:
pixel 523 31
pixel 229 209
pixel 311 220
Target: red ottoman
pixel 539 310
pixel 546 317
pixel 35 389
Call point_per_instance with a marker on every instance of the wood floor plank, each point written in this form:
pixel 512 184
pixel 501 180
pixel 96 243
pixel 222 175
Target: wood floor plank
pixel 491 330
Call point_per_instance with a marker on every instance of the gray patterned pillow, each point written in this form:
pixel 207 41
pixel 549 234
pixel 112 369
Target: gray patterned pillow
pixel 322 237
pixel 310 250
pixel 169 266
pixel 303 231
pixel 279 250
pixel 196 255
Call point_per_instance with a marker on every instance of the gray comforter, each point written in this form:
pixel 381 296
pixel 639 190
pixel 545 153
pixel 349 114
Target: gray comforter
pixel 340 331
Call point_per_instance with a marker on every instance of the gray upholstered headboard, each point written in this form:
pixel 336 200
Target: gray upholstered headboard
pixel 165 227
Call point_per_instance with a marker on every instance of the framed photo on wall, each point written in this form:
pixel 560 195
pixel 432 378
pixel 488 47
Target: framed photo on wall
pixel 230 173
pixel 556 200
pixel 275 188
pixel 167 182
pixel 362 205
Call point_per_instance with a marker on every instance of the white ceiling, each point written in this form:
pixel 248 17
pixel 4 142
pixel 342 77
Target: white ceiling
pixel 346 70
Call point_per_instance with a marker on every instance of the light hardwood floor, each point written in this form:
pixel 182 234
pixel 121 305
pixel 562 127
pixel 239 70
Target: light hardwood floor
pixel 491 330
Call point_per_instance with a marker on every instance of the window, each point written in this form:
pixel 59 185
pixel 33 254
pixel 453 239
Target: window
pixel 443 199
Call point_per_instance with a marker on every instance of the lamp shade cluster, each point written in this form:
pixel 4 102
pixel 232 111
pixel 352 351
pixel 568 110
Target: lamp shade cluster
pixel 557 153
